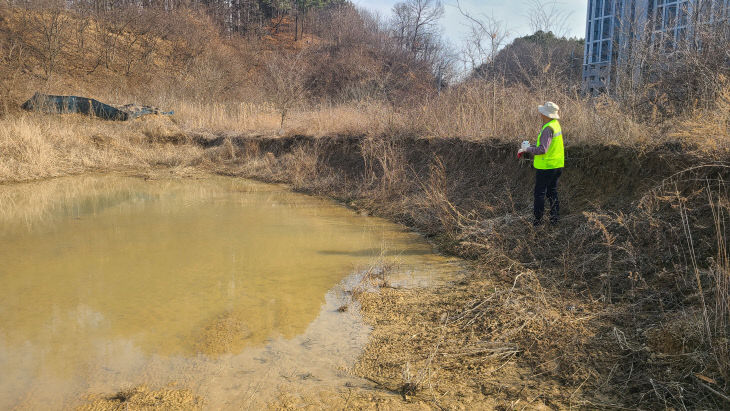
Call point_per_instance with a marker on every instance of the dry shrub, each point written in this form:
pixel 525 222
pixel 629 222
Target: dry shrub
pixel 472 111
pixel 708 128
pixel 385 166
pixel 302 166
pixel 221 155
pixel 635 299
pixel 431 204
pixel 523 318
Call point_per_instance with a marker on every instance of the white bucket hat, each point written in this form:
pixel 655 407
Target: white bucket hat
pixel 550 109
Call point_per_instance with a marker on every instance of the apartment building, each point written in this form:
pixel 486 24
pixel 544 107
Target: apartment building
pixel 615 29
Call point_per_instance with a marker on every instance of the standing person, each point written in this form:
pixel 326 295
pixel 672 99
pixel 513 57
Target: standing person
pixel 549 162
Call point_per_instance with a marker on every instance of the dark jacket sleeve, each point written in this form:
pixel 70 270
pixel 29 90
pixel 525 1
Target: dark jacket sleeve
pixel 545 139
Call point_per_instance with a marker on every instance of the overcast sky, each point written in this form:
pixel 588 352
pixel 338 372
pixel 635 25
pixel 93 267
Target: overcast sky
pixel 512 13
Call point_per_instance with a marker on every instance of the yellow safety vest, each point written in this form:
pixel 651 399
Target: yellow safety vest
pixel 555 155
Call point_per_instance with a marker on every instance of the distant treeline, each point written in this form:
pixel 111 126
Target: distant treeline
pixel 234 16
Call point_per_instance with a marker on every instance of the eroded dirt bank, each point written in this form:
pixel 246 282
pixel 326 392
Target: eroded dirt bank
pixel 612 308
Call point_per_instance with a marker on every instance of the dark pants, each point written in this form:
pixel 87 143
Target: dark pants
pixel 546 185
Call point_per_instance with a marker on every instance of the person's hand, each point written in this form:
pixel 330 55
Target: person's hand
pixel 522 150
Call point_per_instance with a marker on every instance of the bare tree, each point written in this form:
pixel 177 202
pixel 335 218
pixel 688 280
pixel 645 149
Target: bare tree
pixel 52 25
pixel 547 16
pixel 415 25
pixel 285 75
pixel 11 61
pixel 486 36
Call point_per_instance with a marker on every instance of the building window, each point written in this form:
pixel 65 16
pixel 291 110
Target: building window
pixel 590 9
pixel 607 7
pixel 605 50
pixel 682 20
pixel 597 9
pixel 596 30
pixel 671 18
pixel 607 28
pixel 594 53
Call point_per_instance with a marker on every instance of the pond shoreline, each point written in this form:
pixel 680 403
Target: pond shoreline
pixel 521 328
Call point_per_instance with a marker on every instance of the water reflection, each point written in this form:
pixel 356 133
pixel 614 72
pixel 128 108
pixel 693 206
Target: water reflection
pixel 110 281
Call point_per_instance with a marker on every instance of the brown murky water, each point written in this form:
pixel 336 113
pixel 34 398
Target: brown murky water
pixel 224 286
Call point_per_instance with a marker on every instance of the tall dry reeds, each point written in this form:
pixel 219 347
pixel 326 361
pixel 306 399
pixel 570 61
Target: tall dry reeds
pixel 466 111
pixel 35 146
pixel 712 278
pixel 232 117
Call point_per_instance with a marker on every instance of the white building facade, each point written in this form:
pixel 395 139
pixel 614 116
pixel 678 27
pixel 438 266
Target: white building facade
pixel 615 29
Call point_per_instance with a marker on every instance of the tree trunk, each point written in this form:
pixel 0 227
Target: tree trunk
pixel 304 20
pixel 296 26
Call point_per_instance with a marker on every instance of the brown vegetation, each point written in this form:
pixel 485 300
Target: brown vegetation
pixel 624 304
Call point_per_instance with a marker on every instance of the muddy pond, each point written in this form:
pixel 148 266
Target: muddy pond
pixel 228 287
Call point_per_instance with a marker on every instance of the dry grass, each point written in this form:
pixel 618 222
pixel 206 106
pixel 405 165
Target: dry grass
pixel 709 129
pixel 37 146
pixel 468 112
pixel 363 118
pixel 219 118
pixel 633 310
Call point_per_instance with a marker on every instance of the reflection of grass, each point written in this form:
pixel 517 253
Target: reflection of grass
pixel 38 202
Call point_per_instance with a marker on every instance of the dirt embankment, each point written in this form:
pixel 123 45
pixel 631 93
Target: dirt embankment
pixel 604 310
pixel 595 177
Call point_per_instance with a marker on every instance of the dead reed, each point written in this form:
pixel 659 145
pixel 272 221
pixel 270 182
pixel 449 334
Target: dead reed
pixel 37 146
